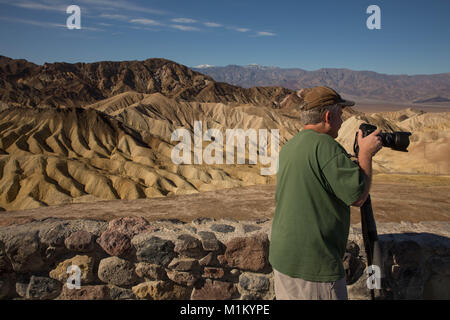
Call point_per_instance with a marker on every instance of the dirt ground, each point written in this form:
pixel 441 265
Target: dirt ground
pixel 395 198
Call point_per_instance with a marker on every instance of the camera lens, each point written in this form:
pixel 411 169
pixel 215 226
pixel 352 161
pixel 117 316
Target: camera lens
pixel 401 140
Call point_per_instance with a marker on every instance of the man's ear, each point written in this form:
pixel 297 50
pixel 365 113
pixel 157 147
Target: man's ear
pixel 327 116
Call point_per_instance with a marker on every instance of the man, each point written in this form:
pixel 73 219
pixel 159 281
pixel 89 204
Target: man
pixel 316 184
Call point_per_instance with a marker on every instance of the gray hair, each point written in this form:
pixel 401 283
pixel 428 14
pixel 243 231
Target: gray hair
pixel 316 115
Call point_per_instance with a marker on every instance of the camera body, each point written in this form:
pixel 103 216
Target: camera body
pixel 398 140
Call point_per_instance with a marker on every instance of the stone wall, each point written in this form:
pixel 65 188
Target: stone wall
pixel 130 258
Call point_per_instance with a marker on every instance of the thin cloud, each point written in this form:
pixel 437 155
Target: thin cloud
pixel 122 5
pixel 184 28
pixel 120 17
pixel 183 20
pixel 91 29
pixel 212 24
pixel 34 23
pixel 265 34
pixel 45 24
pixel 238 29
pixel 38 6
pixel 143 28
pixel 147 22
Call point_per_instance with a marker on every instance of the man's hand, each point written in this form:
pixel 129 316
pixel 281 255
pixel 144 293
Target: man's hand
pixel 369 145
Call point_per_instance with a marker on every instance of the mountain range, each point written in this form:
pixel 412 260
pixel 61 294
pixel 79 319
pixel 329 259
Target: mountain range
pixel 23 83
pixel 363 85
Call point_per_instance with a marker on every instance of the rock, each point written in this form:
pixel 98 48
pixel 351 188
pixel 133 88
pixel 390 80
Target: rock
pixel 189 246
pixel 235 272
pixel 254 282
pixel 24 252
pixel 262 220
pixel 97 292
pixel 5 264
pixel 153 249
pixel 353 264
pixel 209 260
pixel 437 288
pixel 115 243
pixel 117 271
pixel 395 271
pixel 248 253
pixel 203 220
pixel 250 228
pixel 53 233
pixel 213 273
pixel 251 296
pixel 161 290
pixel 184 264
pixel 209 241
pixel 54 253
pixel 441 266
pixel 190 228
pixel 24 243
pixel 81 241
pixel 150 271
pixel 84 262
pixel 184 278
pixel 130 226
pixel 151 290
pixel 359 290
pixel 96 227
pixel 223 228
pixel 43 288
pixel 407 253
pixel 118 293
pixel 221 259
pixel 7 281
pixel 215 290
pixel 172 221
pixel 21 287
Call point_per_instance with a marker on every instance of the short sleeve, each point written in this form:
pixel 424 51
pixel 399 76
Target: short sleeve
pixel 344 178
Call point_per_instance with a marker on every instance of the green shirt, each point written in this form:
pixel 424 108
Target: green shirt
pixel 316 184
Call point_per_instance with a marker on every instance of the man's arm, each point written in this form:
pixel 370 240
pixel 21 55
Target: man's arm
pixel 368 147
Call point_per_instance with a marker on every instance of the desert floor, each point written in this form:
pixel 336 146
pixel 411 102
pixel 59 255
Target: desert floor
pixel 368 107
pixel 395 198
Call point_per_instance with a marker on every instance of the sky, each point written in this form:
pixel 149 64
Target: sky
pixel 413 38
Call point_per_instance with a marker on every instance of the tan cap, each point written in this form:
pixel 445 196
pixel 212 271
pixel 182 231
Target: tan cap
pixel 320 97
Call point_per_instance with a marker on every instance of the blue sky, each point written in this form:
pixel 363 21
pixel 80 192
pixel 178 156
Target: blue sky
pixel 413 39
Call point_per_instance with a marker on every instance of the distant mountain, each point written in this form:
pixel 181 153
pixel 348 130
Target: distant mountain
pixel 431 100
pixel 23 83
pixel 361 84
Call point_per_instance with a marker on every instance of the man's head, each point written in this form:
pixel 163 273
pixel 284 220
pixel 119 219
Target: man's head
pixel 322 109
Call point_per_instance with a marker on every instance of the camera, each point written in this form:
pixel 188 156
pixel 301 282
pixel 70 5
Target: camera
pixel 398 140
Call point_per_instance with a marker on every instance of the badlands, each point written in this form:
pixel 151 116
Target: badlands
pixel 94 140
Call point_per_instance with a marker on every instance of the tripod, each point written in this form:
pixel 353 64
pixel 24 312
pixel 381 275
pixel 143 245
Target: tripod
pixel 372 249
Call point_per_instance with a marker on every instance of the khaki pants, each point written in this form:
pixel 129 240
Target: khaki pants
pixel 288 288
